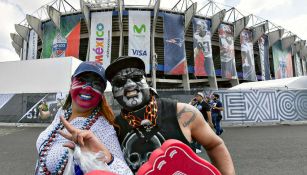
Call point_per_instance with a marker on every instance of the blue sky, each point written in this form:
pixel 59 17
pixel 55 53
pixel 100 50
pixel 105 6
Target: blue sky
pixel 290 14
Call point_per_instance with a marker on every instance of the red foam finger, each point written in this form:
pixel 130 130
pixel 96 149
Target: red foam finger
pixel 174 157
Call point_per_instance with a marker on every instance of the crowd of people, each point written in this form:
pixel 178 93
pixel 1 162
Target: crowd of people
pixel 121 144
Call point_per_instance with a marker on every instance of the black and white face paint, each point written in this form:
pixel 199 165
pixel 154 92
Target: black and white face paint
pixel 130 89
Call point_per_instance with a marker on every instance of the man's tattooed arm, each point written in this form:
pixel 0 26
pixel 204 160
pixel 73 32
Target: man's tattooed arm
pixel 186 115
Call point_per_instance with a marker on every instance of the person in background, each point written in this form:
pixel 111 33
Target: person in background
pixel 202 105
pixel 216 111
pixel 43 110
pixel 85 110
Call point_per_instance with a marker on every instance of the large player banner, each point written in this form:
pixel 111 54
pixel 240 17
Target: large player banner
pixel 263 44
pixel 203 63
pixel 247 53
pixel 32 45
pixel 64 42
pixel 282 61
pixel 298 65
pixel 139 36
pixel 227 54
pixel 174 47
pixel 101 38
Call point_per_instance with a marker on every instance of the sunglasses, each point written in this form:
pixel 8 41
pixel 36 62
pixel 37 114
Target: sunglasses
pixel 120 81
pixel 94 83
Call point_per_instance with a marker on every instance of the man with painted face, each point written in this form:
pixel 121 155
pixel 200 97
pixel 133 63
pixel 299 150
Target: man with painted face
pixel 146 120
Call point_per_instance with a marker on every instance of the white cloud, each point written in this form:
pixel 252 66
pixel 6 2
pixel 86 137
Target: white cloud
pixel 8 55
pixel 273 11
pixel 220 2
pixel 10 15
pixel 256 6
pixel 27 7
pixel 296 25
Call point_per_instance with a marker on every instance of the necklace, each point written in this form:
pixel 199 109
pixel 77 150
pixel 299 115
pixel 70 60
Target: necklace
pixel 150 116
pixel 52 137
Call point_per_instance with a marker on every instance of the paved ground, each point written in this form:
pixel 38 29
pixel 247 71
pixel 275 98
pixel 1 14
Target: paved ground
pixel 269 150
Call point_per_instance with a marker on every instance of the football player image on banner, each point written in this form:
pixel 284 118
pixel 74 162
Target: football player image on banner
pixel 174 47
pixel 227 54
pixel 247 53
pixel 62 42
pixel 203 62
pixel 298 65
pixel 263 44
pixel 101 38
pixel 139 36
pixel 282 61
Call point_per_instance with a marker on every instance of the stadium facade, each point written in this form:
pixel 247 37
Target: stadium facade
pixel 184 46
pixel 187 48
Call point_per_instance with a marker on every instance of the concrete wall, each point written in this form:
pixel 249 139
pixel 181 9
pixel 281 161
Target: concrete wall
pixel 255 105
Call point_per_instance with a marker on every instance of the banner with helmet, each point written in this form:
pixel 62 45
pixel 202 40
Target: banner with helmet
pixel 227 53
pixel 101 38
pixel 282 61
pixel 62 42
pixel 203 62
pixel 263 44
pixel 174 47
pixel 298 65
pixel 139 36
pixel 32 45
pixel 247 54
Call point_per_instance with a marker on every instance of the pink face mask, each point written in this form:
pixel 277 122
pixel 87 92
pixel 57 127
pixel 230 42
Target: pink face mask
pixel 84 95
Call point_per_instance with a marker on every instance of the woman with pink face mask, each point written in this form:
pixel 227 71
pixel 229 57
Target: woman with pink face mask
pixel 85 109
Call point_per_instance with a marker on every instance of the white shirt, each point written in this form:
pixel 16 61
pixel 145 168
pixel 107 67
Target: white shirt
pixel 101 128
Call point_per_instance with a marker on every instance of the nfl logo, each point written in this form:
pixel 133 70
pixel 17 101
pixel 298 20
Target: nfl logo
pixel 59 46
pixel 59 49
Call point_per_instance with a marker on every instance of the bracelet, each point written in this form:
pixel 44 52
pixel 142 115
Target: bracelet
pixel 112 160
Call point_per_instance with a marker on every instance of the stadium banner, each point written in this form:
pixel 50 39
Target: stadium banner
pixel 203 62
pixel 227 54
pixel 32 45
pixel 174 47
pixel 298 65
pixel 304 67
pixel 282 61
pixel 64 42
pixel 247 54
pixel 263 44
pixel 101 38
pixel 139 36
pixel 24 50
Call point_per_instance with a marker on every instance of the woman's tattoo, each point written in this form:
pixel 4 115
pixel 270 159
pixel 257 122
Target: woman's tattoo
pixel 184 111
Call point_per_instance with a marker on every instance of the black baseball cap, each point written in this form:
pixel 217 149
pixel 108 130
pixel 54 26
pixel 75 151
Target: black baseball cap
pixel 122 63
